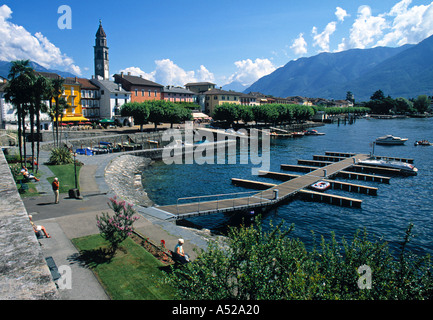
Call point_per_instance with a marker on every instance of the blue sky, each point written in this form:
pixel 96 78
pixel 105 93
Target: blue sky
pixel 175 42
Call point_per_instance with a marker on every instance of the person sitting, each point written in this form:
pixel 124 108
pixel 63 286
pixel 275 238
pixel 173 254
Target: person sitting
pixel 38 229
pixel 179 253
pixel 28 175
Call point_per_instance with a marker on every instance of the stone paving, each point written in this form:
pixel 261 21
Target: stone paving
pixel 101 177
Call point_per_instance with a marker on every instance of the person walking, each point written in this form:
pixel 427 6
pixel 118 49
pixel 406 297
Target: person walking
pixel 55 186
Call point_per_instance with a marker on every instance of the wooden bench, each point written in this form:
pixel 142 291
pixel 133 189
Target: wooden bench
pixel 53 268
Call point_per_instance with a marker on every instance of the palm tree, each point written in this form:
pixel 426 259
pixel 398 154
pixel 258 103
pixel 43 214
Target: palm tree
pixel 21 77
pixel 41 92
pixel 57 91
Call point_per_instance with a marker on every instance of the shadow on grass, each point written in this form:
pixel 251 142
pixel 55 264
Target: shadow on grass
pixel 92 258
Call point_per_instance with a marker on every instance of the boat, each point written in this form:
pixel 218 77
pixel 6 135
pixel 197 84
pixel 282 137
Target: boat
pixel 320 186
pixel 406 168
pixel 297 134
pixel 422 143
pixel 313 132
pixel 390 140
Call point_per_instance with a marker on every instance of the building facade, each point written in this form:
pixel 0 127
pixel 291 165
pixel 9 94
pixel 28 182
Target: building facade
pixel 216 97
pixel 177 94
pixel 90 99
pixel 112 97
pixel 141 89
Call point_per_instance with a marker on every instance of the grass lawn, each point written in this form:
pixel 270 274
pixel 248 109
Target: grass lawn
pixel 66 176
pixel 132 274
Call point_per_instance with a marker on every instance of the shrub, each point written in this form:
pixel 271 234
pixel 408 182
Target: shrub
pixel 117 228
pixel 271 265
pixel 60 156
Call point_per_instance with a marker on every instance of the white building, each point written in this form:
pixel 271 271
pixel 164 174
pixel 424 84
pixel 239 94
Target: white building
pixel 8 117
pixel 112 98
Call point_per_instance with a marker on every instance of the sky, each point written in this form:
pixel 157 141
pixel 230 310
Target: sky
pixel 220 41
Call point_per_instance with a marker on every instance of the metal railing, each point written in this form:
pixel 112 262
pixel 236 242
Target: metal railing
pixel 252 195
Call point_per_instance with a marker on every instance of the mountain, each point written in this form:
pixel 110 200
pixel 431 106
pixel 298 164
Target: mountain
pixel 405 71
pixel 234 86
pixel 6 65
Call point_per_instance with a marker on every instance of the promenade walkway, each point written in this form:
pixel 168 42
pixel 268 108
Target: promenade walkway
pixel 73 218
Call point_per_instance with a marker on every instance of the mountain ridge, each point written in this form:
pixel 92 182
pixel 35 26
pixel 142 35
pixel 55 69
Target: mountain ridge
pixel 405 71
pixel 5 67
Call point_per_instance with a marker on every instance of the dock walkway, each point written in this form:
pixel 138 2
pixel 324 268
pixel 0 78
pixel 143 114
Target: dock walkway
pixel 269 197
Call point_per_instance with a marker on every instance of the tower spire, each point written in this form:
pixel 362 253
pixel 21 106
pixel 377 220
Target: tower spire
pixel 101 54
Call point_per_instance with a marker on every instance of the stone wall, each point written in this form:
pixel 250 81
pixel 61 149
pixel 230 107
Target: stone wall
pixel 123 175
pixel 24 274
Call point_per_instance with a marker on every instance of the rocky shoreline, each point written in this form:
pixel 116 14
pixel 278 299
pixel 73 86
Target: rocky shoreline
pixel 123 175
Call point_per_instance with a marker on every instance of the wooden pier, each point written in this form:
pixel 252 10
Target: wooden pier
pixel 322 168
pixel 267 198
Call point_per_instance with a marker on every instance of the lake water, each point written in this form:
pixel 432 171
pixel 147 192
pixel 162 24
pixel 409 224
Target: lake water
pixel 405 200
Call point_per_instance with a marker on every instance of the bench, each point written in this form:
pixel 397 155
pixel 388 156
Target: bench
pixel 23 186
pixel 53 268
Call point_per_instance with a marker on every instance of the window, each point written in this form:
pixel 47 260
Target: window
pixel 215 97
pixel 156 93
pixel 136 92
pixel 142 92
pixel 149 93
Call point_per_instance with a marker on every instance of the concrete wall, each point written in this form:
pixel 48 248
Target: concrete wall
pixel 24 273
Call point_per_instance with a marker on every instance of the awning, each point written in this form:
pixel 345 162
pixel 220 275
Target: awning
pixel 106 121
pixel 72 118
pixel 200 115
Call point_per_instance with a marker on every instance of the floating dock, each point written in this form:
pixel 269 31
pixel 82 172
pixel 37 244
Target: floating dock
pixel 321 168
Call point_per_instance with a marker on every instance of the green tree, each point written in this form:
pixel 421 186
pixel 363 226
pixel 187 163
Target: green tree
pixel 378 95
pixel 177 113
pixel 18 92
pixel 245 114
pixel 158 111
pixel 257 265
pixel 228 112
pixel 139 111
pixel 422 103
pixel 402 106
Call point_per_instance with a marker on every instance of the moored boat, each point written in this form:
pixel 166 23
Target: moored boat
pixel 406 168
pixel 320 186
pixel 390 140
pixel 422 143
pixel 313 132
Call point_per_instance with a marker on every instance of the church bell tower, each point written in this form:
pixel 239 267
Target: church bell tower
pixel 101 55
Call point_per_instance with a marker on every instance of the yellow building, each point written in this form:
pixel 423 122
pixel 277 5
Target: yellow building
pixel 216 97
pixel 72 95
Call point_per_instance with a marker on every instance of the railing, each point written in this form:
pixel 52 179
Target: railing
pixel 253 195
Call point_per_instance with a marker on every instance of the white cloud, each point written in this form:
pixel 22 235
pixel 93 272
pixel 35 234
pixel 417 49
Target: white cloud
pixel 340 13
pixel 321 40
pixel 249 71
pixel 168 73
pixel 367 29
pixel 409 25
pixel 299 45
pixel 17 43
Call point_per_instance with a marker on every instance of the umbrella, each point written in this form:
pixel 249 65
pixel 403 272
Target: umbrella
pixel 106 121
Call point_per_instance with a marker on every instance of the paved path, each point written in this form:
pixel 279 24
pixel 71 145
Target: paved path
pixel 73 218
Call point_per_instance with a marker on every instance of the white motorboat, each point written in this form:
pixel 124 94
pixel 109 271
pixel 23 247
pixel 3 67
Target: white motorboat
pixel 321 186
pixel 390 140
pixel 403 166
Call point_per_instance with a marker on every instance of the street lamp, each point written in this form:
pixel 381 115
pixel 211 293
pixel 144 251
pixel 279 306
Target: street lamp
pixel 75 193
